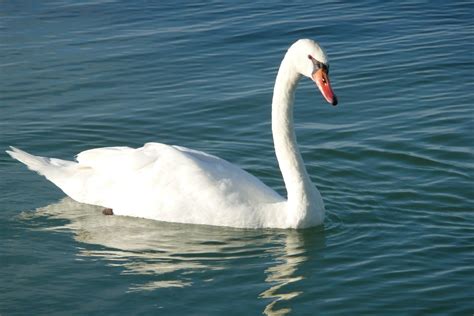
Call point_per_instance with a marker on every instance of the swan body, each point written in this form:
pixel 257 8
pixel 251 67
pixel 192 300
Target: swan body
pixel 178 184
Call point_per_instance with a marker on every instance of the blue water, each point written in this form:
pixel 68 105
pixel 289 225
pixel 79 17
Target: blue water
pixel 393 161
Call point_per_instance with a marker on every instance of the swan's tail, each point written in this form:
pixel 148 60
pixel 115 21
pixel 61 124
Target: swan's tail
pixel 69 176
pixel 48 167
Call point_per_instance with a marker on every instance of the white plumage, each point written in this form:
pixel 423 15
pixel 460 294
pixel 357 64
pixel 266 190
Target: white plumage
pixel 177 184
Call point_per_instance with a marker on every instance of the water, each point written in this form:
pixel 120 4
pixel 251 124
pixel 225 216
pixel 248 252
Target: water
pixel 393 161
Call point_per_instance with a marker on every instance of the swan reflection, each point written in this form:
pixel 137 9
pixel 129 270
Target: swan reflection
pixel 176 255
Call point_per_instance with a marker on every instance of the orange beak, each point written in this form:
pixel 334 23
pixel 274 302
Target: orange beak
pixel 321 78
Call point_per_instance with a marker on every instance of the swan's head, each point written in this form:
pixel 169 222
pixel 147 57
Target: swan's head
pixel 311 61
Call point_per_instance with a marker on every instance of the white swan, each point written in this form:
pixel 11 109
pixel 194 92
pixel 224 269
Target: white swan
pixel 177 184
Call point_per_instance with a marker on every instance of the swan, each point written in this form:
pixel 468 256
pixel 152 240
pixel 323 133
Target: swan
pixel 177 184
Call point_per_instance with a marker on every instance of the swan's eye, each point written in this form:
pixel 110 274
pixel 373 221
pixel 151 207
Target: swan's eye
pixel 319 65
pixel 324 67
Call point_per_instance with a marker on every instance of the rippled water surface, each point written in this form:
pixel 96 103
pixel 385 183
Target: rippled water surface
pixel 393 161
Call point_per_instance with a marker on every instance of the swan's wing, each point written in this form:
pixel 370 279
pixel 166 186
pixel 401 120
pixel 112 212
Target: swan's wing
pixel 153 179
pixel 168 177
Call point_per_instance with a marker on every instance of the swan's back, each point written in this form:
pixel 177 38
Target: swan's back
pixel 163 182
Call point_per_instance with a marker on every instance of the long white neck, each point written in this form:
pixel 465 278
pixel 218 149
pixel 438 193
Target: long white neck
pixel 305 206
